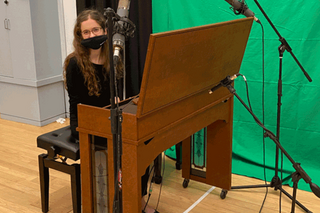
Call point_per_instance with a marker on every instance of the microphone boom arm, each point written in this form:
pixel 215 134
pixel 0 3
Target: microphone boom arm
pixel 284 43
pixel 300 173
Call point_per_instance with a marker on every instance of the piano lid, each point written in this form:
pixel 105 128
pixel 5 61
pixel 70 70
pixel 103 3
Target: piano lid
pixel 184 62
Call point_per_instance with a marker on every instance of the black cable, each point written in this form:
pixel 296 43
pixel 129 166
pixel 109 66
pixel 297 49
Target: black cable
pixel 247 90
pixel 164 165
pixel 119 135
pixel 263 115
pixel 116 88
pixel 263 119
pixel 150 188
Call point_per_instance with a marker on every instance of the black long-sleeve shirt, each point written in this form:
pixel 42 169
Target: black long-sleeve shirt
pixel 79 93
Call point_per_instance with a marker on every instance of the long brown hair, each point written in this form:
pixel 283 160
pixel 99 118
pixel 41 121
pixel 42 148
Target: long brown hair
pixel 82 53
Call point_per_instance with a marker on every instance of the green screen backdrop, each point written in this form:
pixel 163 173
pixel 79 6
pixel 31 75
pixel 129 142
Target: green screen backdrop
pixel 299 23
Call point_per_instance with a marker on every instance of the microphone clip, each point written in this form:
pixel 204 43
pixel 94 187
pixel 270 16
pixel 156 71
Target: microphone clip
pixel 242 8
pixel 126 28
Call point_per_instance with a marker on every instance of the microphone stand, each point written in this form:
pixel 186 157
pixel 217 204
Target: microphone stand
pixel 127 30
pixel 297 175
pixel 284 46
pixel 116 119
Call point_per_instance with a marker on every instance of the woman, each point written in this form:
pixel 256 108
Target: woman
pixel 86 70
pixel 86 74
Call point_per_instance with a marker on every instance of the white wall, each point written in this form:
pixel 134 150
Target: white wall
pixel 67 18
pixel 39 39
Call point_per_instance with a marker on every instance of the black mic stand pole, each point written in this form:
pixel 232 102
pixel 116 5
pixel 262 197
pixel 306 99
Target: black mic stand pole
pixel 276 182
pixel 282 48
pixel 116 118
pixel 296 176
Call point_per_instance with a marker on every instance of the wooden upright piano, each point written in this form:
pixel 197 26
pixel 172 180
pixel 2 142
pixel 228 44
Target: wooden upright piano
pixel 174 103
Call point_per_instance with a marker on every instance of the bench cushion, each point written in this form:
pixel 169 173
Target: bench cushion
pixel 62 141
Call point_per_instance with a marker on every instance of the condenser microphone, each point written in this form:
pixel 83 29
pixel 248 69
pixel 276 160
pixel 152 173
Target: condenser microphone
pixel 119 38
pixel 242 8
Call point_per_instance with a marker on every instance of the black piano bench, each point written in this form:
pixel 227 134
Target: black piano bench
pixel 59 145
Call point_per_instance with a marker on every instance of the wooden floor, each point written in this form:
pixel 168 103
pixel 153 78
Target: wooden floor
pixel 19 183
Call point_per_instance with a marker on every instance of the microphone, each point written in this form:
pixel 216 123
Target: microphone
pixel 119 38
pixel 242 8
pixel 225 82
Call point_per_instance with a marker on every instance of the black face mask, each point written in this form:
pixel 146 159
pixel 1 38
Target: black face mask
pixel 94 42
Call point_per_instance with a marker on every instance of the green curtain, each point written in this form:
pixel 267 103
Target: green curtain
pixel 299 23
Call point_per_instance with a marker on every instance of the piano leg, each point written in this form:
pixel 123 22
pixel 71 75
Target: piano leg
pixel 157 170
pixel 178 156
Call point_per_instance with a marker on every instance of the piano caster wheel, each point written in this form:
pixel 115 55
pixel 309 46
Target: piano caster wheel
pixel 185 183
pixel 223 194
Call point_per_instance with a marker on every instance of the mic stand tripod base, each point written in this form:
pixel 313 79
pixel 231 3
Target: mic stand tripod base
pixel 276 183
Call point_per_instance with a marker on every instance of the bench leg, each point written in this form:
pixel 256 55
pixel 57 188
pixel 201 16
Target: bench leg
pixel 44 183
pixel 76 188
